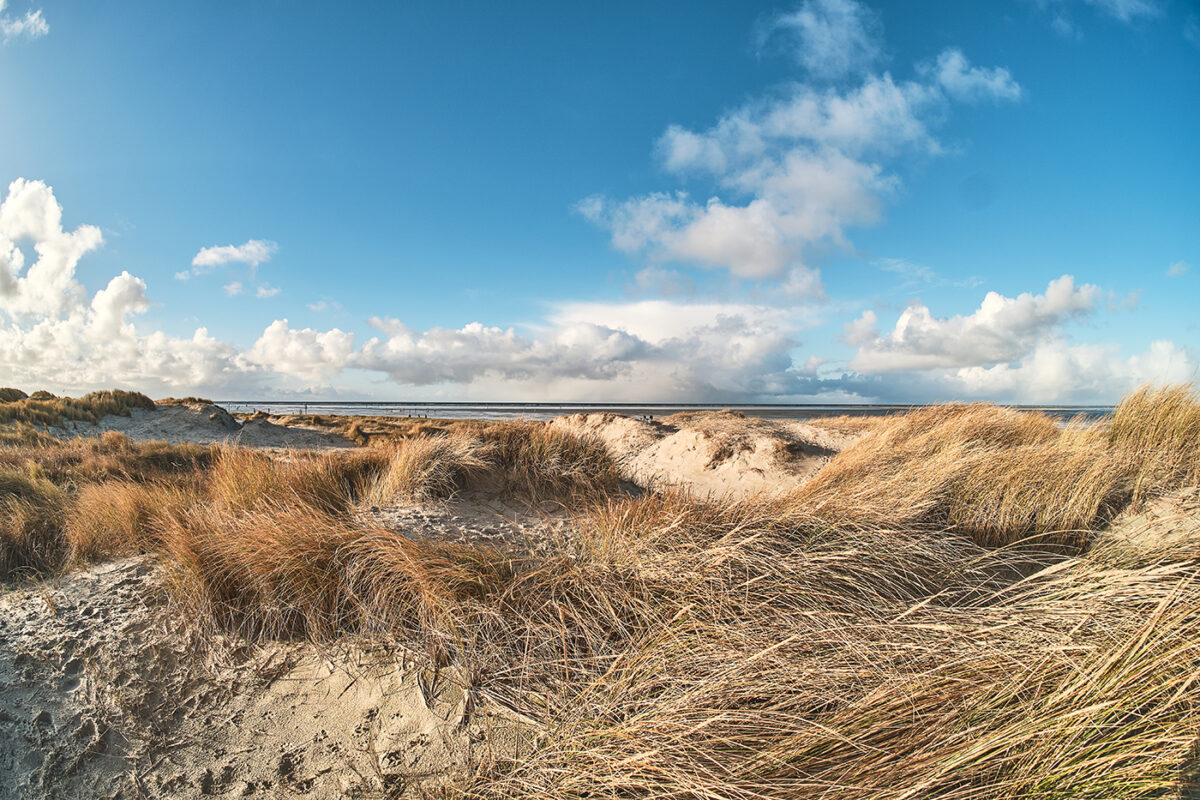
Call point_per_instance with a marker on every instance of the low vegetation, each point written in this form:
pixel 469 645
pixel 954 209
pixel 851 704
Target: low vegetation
pixel 938 613
pixel 44 409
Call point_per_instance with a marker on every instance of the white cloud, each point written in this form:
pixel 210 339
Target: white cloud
pixel 306 353
pixel 232 289
pixel 793 172
pixel 803 283
pixel 32 26
pixel 48 286
pixel 266 290
pixel 831 38
pixel 654 349
pixel 862 331
pixel 1057 372
pixel 252 253
pixel 1127 11
pixel 919 274
pixel 965 82
pixel 1177 270
pixel 1001 330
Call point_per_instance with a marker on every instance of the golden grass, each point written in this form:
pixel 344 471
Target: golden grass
pixel 56 411
pixel 185 401
pixel 937 614
pixel 31 512
pixel 1003 476
pixel 530 459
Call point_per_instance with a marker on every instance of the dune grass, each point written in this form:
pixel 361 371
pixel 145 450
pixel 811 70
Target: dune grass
pixel 44 409
pixel 1003 476
pixel 939 613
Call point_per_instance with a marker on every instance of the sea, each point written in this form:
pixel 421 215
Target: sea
pixel 502 411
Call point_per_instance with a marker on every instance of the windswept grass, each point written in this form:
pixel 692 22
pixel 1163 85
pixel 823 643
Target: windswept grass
pixel 185 401
pixel 1003 476
pixel 530 459
pixel 55 411
pixel 939 613
pixel 31 516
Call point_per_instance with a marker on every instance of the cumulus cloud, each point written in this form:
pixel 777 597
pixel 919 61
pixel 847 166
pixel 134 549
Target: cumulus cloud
pixel 30 26
pixel 650 349
pixel 48 286
pixel 252 253
pixel 1058 372
pixel 830 38
pixel 1001 330
pixel 53 334
pixel 306 353
pixel 793 171
pixel 266 290
pixel 232 289
pixel 1177 270
pixel 964 82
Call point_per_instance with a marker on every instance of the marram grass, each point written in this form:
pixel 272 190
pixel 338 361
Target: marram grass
pixel 942 612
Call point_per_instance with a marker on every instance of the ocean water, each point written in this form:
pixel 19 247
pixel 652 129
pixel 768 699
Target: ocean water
pixel 501 411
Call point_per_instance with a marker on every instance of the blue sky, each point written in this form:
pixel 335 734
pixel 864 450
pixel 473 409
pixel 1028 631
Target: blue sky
pixel 824 200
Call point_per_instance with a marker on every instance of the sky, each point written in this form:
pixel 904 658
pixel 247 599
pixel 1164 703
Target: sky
pixel 823 201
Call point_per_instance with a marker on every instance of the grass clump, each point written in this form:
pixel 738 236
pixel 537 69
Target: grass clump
pixel 50 411
pixel 32 509
pixel 429 468
pixel 1004 476
pixel 185 401
pixel 120 518
pixel 529 459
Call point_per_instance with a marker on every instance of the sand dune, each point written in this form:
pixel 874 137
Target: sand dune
pixel 204 424
pixel 721 453
pixel 540 605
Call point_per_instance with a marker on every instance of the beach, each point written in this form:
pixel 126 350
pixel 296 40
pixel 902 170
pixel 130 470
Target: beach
pixel 965 600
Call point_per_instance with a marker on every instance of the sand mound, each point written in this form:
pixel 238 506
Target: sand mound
pixel 205 424
pixel 719 452
pixel 100 696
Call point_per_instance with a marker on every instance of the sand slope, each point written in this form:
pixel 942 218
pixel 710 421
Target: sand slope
pixel 718 452
pixel 102 696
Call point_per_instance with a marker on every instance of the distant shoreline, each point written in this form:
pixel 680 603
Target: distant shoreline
pixel 502 411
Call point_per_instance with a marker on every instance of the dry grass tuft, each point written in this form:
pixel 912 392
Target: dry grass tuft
pixel 55 411
pixel 428 468
pixel 529 459
pixel 121 518
pixel 243 480
pixel 31 514
pixel 1004 476
pixel 185 401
